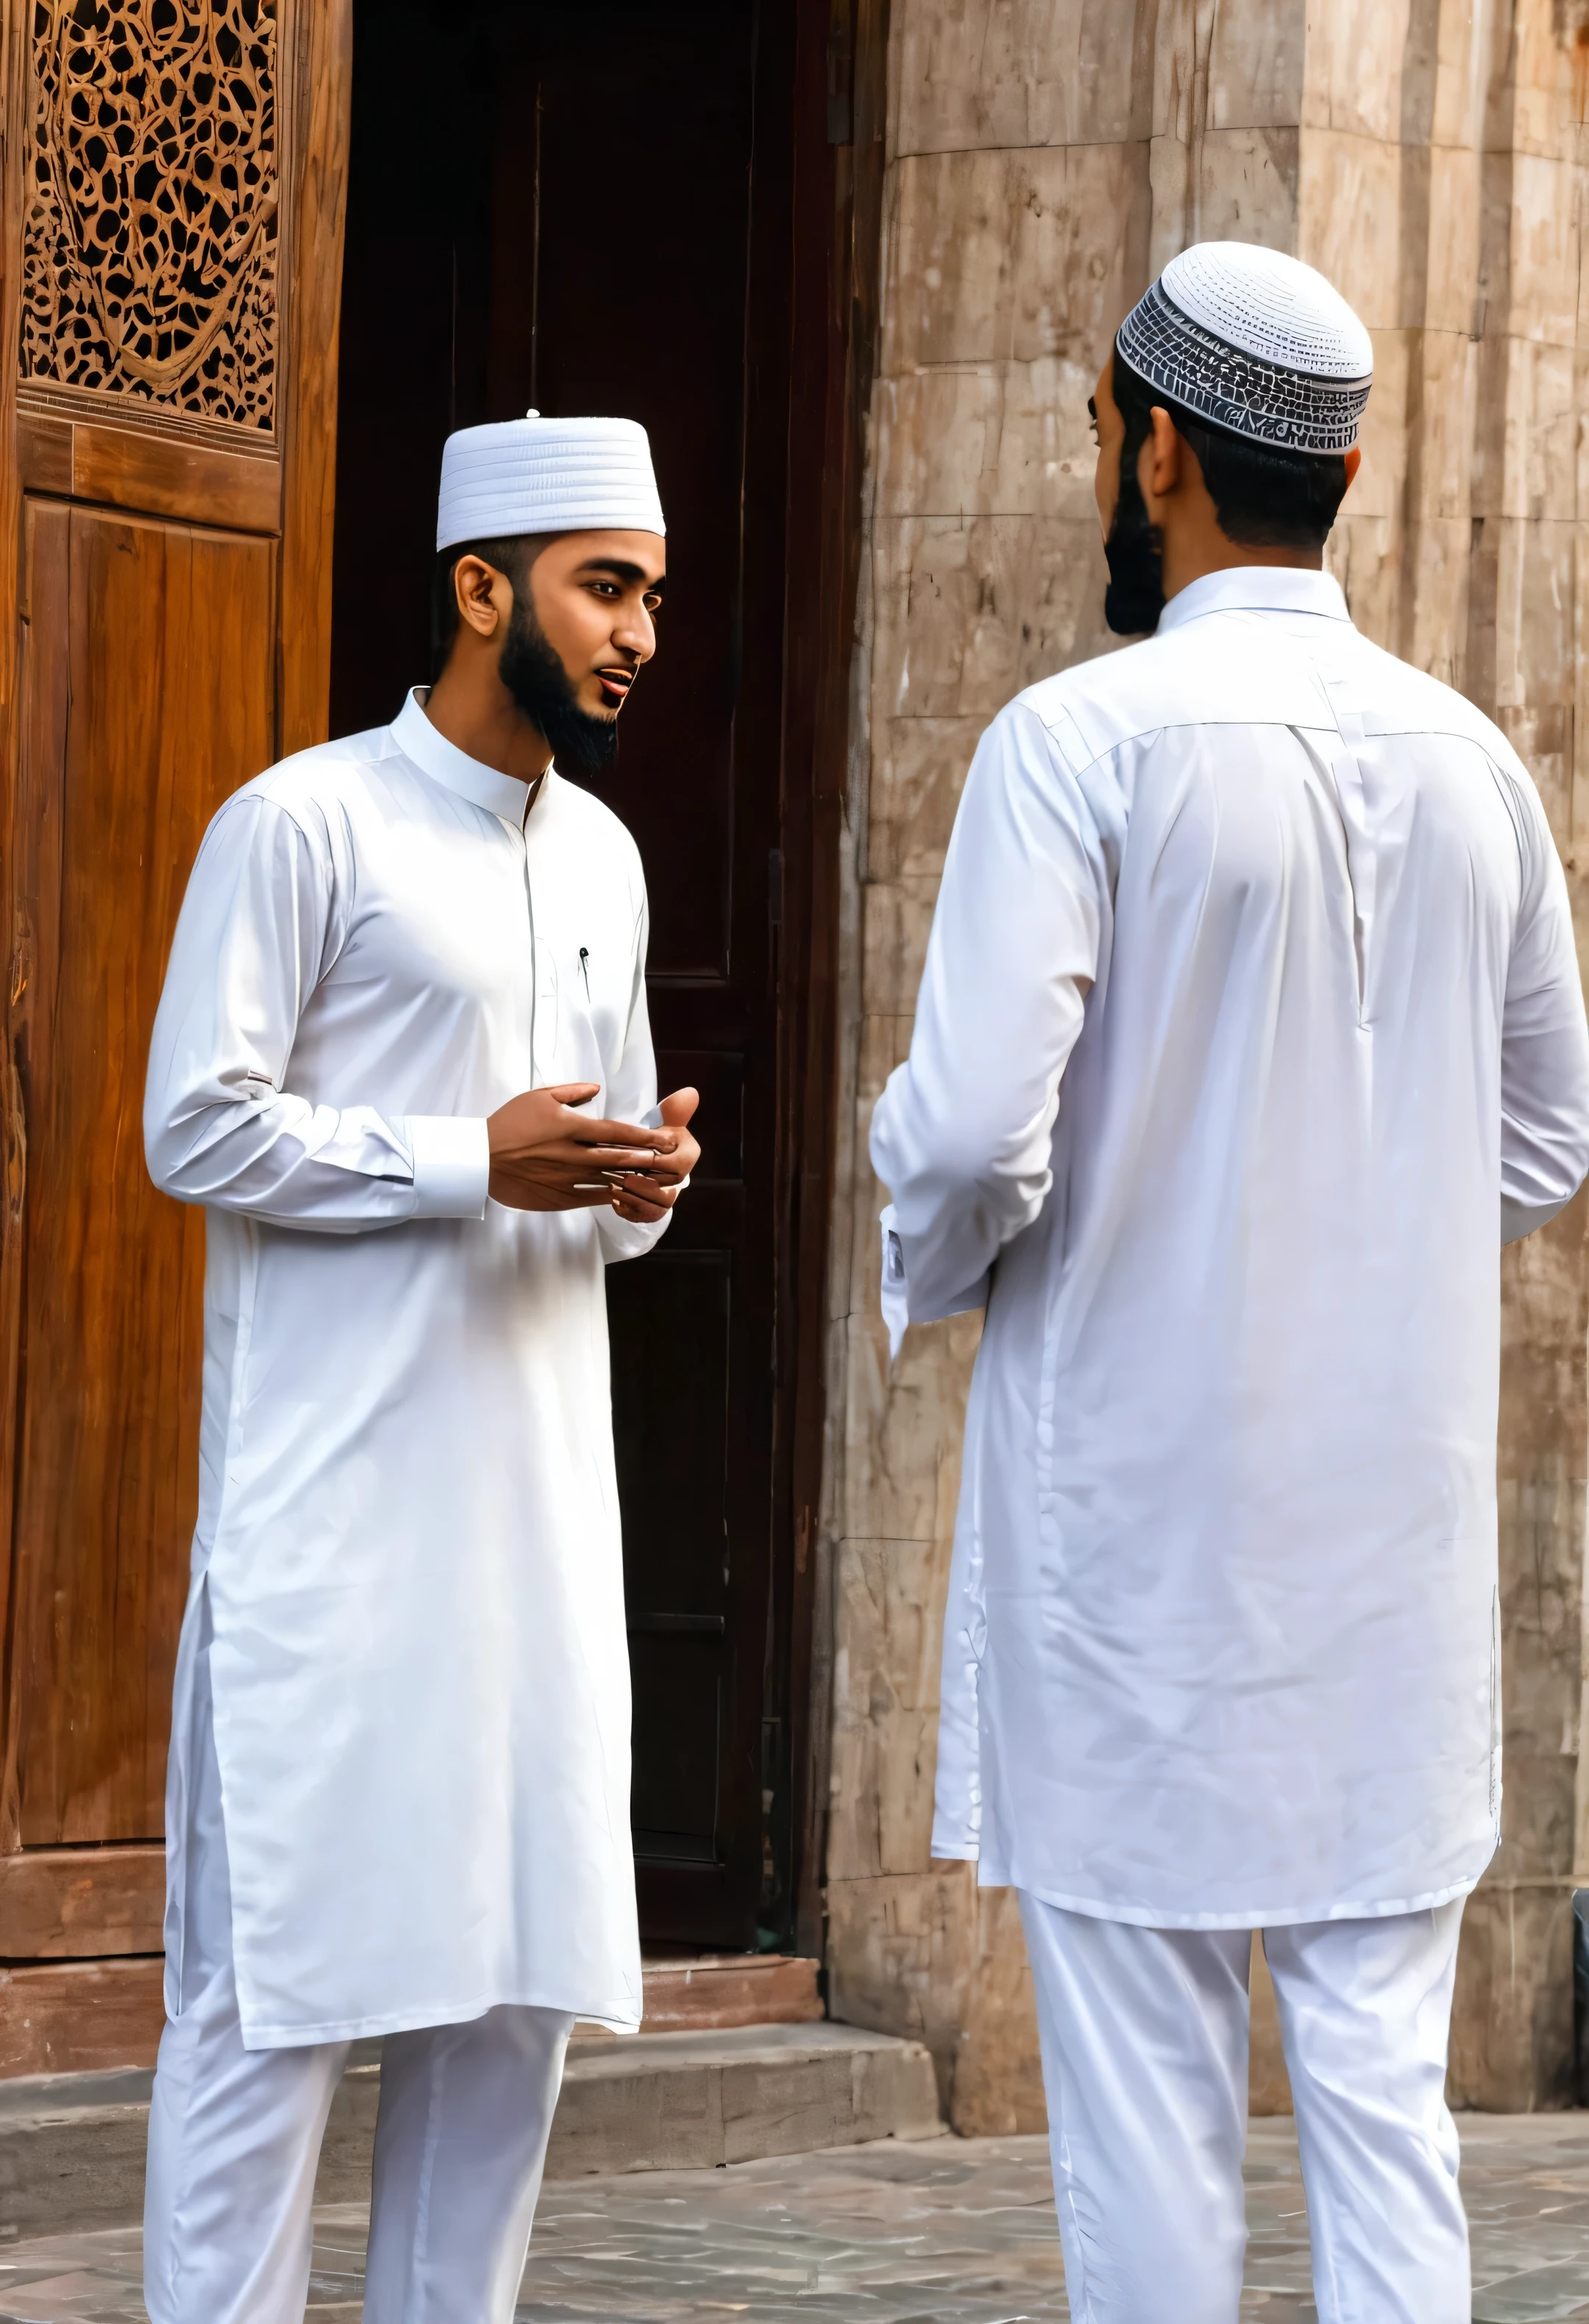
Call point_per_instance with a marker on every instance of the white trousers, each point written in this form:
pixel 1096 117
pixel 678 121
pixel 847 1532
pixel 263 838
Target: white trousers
pixel 1144 2043
pixel 235 2135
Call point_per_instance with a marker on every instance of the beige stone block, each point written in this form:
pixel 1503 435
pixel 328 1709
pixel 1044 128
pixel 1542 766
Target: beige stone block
pixel 880 1816
pixel 884 1043
pixel 1456 114
pixel 969 613
pixel 1356 51
pixel 1549 75
pixel 888 1639
pixel 1578 852
pixel 978 73
pixel 1233 68
pixel 1541 1464
pixel 1451 298
pixel 1349 222
pixel 1534 628
pixel 1545 202
pixel 896 917
pixel 1433 632
pixel 1364 554
pixel 1441 390
pixel 1379 488
pixel 891 1620
pixel 1543 431
pixel 1268 2086
pixel 1237 185
pixel 1511 2020
pixel 1014 255
pixel 998 2086
pixel 918 768
pixel 900 1956
pixel 905 1422
pixel 993 439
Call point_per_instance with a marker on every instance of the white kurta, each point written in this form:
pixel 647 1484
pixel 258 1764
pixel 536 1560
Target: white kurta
pixel 1221 1648
pixel 408 1510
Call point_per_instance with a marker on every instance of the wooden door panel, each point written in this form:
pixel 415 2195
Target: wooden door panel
pixel 160 706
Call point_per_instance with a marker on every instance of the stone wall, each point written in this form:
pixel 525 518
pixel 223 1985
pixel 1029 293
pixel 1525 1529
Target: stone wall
pixel 1045 158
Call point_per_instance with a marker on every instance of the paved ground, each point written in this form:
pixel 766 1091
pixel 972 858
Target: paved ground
pixel 949 2232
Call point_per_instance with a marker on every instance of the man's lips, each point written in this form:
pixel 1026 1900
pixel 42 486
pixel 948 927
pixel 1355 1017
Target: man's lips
pixel 615 686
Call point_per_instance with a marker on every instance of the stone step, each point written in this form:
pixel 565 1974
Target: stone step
pixel 71 2146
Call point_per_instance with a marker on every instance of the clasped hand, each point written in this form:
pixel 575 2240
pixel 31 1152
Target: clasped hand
pixel 546 1156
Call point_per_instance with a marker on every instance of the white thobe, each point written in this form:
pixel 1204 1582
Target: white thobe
pixel 1221 1648
pixel 408 1509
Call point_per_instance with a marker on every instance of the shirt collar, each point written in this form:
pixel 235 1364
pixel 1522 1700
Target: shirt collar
pixel 1257 588
pixel 444 762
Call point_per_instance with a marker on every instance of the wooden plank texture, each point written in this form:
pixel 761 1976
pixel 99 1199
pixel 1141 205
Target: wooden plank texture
pixel 320 39
pixel 43 453
pixel 78 2017
pixel 723 1989
pixel 77 1904
pixel 15 89
pixel 158 475
pixel 169 658
pixel 195 481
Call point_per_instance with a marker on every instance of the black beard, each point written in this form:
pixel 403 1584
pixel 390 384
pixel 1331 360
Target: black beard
pixel 533 672
pixel 1134 598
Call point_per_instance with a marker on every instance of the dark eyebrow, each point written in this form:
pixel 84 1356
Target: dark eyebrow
pixel 621 570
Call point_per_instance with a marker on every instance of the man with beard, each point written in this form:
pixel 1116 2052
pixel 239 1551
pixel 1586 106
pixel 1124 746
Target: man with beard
pixel 403 1059
pixel 1250 1027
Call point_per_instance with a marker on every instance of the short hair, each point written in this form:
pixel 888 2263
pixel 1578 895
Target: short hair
pixel 513 557
pixel 1264 497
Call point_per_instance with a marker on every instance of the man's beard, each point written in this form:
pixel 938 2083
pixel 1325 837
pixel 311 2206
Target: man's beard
pixel 1134 598
pixel 533 672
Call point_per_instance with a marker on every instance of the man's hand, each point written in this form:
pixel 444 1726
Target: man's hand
pixel 644 1196
pixel 546 1156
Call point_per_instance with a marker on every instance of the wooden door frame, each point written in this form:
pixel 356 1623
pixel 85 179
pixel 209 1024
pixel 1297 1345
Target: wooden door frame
pixel 93 1991
pixel 841 115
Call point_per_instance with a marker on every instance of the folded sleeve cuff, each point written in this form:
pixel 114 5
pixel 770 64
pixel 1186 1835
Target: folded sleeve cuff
pixel 452 1164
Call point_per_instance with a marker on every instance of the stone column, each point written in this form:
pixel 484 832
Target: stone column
pixel 1045 158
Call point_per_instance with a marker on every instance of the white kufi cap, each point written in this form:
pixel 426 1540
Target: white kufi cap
pixel 547 476
pixel 1254 342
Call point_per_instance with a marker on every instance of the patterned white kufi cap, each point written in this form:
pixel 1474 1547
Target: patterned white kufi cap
pixel 547 476
pixel 1254 342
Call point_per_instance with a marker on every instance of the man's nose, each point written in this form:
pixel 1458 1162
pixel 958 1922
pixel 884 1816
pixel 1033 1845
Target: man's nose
pixel 634 632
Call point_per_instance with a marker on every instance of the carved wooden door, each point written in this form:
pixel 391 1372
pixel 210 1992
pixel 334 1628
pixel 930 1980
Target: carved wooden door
pixel 171 256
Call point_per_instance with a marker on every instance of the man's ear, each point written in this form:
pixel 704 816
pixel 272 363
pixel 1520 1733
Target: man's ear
pixel 1159 469
pixel 484 596
pixel 1354 461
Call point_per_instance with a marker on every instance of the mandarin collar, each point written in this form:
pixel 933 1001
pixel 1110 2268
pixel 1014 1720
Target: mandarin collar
pixel 444 762
pixel 1256 589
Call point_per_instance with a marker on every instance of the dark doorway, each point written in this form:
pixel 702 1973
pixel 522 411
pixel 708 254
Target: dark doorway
pixel 587 209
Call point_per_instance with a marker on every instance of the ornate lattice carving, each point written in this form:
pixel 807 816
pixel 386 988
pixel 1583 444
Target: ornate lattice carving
pixel 149 240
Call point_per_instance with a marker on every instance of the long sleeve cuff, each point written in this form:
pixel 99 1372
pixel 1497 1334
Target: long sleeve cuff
pixel 895 1289
pixel 896 1299
pixel 452 1164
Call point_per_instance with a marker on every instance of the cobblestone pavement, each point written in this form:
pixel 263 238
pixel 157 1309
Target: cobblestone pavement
pixel 952 2231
